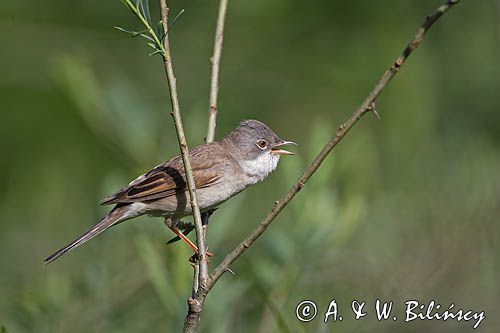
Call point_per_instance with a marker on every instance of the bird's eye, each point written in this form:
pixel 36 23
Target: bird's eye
pixel 262 144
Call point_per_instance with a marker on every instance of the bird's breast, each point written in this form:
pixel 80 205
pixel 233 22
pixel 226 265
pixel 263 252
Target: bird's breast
pixel 214 195
pixel 259 168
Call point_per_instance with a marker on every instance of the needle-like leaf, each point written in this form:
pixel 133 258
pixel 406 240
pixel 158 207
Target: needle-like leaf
pixel 143 6
pixel 140 8
pixel 125 30
pixel 155 52
pixel 176 18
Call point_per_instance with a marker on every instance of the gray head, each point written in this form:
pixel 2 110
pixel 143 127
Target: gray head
pixel 256 147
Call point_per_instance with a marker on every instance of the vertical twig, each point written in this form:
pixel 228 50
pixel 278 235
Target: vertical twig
pixel 214 79
pixel 167 59
pixel 197 300
pixel 214 86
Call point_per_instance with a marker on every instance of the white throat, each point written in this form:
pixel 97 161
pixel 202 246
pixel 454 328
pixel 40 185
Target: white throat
pixel 261 167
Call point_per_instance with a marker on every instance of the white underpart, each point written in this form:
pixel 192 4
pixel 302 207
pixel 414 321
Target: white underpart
pixel 261 167
pixel 135 209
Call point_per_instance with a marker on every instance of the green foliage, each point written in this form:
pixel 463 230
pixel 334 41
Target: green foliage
pixel 140 8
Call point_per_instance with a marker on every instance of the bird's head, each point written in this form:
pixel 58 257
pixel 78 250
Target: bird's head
pixel 257 148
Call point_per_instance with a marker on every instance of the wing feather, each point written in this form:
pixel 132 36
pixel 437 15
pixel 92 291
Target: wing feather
pixel 167 179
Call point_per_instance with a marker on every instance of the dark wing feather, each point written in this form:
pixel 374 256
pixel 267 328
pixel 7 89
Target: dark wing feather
pixel 167 179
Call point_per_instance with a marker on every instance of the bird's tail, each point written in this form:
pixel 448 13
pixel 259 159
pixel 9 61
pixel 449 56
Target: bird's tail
pixel 116 215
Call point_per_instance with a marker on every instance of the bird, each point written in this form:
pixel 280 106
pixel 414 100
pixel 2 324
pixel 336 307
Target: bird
pixel 221 169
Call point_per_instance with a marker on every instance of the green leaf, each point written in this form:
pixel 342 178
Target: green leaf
pixel 126 31
pixel 143 6
pixel 136 33
pixel 146 10
pixel 176 18
pixel 145 36
pixel 155 52
pixel 129 5
pixel 159 26
pixel 159 30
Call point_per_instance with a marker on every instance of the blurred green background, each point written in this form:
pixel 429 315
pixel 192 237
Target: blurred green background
pixel 405 208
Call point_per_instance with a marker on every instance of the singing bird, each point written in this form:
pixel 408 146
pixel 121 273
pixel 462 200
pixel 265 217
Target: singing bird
pixel 221 170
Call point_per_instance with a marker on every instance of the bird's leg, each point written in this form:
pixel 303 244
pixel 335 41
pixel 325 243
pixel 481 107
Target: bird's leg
pixel 206 215
pixel 172 226
pixel 185 228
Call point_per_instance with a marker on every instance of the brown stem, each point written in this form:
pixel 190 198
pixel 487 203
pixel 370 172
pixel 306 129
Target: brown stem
pixel 167 59
pixel 214 82
pixel 195 303
pixel 214 79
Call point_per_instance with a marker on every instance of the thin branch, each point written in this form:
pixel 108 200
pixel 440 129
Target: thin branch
pixel 367 106
pixel 214 89
pixel 202 262
pixel 196 302
pixel 214 80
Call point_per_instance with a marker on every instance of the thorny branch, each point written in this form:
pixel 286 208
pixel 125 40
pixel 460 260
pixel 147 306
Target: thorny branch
pixel 367 106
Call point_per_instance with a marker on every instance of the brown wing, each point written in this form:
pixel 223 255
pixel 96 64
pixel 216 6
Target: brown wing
pixel 168 179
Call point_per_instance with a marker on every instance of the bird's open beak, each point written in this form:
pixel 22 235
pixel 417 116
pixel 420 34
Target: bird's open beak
pixel 277 151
